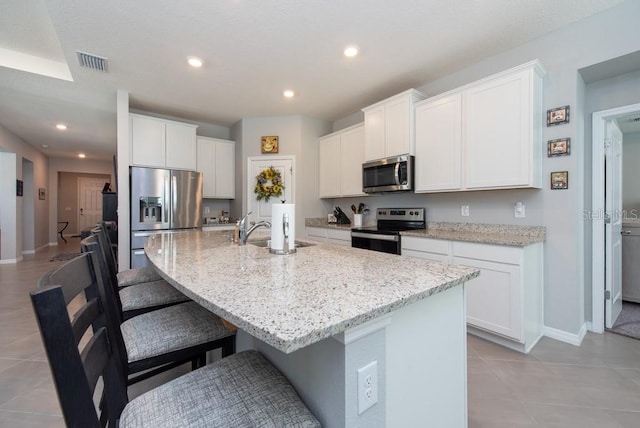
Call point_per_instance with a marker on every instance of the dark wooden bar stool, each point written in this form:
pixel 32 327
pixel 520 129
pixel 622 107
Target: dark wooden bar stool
pixel 65 225
pixel 242 390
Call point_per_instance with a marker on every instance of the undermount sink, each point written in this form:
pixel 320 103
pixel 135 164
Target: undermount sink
pixel 265 243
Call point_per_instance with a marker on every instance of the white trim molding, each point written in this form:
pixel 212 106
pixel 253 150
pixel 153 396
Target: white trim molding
pixel 565 336
pixel 362 330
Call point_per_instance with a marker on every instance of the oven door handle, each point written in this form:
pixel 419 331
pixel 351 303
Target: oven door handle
pixel 372 236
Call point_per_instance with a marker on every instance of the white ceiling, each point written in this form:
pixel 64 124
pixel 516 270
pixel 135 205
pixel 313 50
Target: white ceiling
pixel 252 51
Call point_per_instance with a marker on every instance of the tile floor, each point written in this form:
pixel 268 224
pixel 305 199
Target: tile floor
pixel 557 385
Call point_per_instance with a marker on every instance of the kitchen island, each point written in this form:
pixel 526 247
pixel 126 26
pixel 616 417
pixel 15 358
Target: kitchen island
pixel 327 311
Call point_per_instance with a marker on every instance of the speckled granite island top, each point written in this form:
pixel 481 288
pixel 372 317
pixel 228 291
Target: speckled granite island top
pixel 295 300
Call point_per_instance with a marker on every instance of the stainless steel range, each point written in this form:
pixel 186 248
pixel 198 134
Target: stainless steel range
pixel 385 236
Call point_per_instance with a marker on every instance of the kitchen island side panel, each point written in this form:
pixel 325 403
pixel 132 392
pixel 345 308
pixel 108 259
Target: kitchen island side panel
pixel 427 362
pixel 421 355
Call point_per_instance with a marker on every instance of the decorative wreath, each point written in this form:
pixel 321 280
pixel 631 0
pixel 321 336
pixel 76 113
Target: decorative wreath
pixel 268 184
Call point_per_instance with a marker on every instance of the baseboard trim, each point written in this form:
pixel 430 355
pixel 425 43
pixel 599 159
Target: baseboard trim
pixel 42 247
pixel 53 244
pixel 28 252
pixel 10 261
pixel 565 336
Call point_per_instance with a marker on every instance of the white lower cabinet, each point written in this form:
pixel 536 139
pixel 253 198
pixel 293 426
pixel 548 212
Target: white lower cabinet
pixel 316 233
pixel 433 249
pixel 329 235
pixel 505 303
pixel 339 237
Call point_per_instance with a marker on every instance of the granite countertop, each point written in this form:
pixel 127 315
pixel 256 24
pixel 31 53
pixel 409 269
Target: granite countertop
pixel 499 234
pixel 295 300
pixel 483 233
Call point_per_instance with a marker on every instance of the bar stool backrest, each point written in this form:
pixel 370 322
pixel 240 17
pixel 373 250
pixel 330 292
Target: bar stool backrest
pixel 76 372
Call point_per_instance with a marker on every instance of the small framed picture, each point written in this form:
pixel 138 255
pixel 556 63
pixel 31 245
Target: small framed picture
pixel 19 187
pixel 558 116
pixel 559 180
pixel 560 147
pixel 41 193
pixel 269 144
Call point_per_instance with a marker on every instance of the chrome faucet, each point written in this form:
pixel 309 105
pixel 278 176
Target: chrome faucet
pixel 244 233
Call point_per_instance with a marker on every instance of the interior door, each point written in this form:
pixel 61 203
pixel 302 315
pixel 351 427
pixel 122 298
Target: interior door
pixel 261 210
pixel 613 223
pixel 89 202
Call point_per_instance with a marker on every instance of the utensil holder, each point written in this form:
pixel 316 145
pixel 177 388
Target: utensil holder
pixel 357 220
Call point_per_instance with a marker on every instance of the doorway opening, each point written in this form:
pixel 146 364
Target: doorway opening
pixel 80 200
pixel 607 216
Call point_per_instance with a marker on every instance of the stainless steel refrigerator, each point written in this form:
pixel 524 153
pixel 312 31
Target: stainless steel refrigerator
pixel 162 200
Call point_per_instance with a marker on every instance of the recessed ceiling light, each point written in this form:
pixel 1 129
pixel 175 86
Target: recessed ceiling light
pixel 82 155
pixel 351 51
pixel 194 62
pixel 61 126
pixel 288 93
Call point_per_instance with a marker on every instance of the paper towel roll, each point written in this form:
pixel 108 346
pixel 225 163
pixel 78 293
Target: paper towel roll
pixel 278 211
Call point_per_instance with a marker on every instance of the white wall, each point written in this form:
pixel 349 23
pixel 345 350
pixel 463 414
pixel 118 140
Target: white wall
pixel 563 53
pixel 13 151
pixel 298 136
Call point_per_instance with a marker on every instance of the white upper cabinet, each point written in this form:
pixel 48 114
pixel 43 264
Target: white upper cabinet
pixel 439 144
pixel 352 157
pixel 180 145
pixel 329 169
pixel 485 135
pixel 216 162
pixel 341 155
pixel 389 126
pixel 162 143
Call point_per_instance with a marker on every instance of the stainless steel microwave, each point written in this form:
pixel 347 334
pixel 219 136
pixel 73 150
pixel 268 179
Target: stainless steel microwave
pixel 388 175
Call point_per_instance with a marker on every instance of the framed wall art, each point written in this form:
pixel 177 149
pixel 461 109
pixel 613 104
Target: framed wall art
pixel 559 180
pixel 269 144
pixel 19 187
pixel 558 116
pixel 560 147
pixel 41 193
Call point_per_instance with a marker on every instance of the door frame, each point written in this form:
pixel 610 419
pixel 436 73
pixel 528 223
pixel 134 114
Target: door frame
pixel 598 208
pixel 251 180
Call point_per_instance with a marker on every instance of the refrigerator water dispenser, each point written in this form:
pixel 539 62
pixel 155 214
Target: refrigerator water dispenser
pixel 150 209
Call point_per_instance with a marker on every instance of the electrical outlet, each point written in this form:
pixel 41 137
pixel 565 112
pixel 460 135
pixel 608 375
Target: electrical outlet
pixel 518 210
pixel 367 386
pixel 464 210
pixel 207 210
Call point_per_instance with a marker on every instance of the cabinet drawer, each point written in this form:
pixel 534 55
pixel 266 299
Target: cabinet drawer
pixel 339 235
pixel 438 246
pixel 317 233
pixel 497 253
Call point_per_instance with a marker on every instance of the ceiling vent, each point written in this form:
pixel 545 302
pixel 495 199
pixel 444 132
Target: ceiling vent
pixel 93 62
